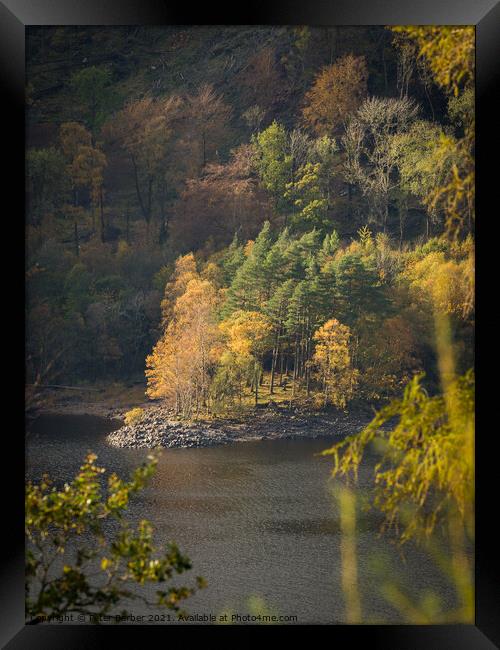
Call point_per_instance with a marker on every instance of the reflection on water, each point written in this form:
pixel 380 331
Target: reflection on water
pixel 256 518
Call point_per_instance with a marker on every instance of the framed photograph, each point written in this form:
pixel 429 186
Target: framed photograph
pixel 249 287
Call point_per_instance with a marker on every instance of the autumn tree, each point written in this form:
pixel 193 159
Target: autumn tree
pixel 443 282
pixel 336 93
pixel 333 360
pixel 423 486
pixel 247 334
pixel 426 466
pixel 185 270
pixel 225 200
pixel 146 129
pixel 208 117
pixel 179 368
pixel 85 168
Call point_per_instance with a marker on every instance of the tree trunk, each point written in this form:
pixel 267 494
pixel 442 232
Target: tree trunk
pixel 273 368
pixel 256 380
pixel 163 231
pixel 385 215
pixel 77 242
pixel 103 227
pixel 273 362
pixel 145 208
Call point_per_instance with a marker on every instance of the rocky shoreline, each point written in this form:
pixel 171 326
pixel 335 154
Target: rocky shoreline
pixel 158 428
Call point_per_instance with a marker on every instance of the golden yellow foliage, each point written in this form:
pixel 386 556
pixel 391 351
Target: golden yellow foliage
pixel 333 359
pixel 447 285
pixel 247 335
pixel 134 416
pixel 456 196
pixel 248 247
pixel 427 462
pixel 246 332
pixel 178 368
pixel 448 50
pixel 185 271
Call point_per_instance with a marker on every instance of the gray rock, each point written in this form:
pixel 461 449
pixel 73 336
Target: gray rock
pixel 159 429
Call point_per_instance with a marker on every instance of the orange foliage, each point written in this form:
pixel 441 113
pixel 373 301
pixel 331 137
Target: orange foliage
pixel 224 201
pixel 336 93
pixel 178 370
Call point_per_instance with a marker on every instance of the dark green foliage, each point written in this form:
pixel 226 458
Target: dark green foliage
pixel 47 182
pixel 233 258
pixel 357 290
pixel 248 289
pixel 93 95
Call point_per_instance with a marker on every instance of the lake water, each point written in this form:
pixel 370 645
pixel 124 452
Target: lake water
pixel 256 519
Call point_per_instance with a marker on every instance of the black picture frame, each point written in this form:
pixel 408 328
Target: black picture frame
pixel 15 15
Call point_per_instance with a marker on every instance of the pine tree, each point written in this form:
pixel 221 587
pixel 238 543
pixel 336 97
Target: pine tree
pixel 249 289
pixel 358 292
pixel 232 260
pixel 276 262
pixel 276 310
pixel 330 245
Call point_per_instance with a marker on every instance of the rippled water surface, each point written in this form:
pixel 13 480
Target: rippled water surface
pixel 256 518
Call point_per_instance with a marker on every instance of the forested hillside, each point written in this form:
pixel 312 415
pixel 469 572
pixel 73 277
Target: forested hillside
pixel 251 213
